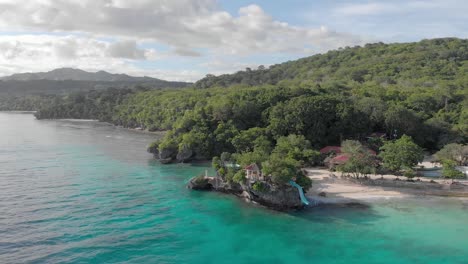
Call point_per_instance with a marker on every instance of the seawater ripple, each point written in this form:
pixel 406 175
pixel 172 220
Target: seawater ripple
pixel 90 194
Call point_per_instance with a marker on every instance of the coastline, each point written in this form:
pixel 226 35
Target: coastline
pixel 160 133
pixel 17 112
pixel 330 188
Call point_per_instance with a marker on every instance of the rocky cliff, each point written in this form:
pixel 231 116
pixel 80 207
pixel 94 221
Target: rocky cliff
pixel 277 197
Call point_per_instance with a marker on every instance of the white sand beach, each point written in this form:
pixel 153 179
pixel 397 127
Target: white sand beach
pixel 341 191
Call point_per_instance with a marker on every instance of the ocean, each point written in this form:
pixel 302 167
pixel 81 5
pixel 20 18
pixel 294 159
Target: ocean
pixel 87 192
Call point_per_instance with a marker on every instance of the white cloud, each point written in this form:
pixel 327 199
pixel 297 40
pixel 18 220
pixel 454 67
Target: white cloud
pixel 184 25
pixel 126 49
pixel 32 53
pixel 69 47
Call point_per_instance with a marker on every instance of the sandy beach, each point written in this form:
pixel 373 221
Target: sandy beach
pixel 338 190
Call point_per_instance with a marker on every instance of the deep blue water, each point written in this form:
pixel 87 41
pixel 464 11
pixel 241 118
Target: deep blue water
pixel 85 192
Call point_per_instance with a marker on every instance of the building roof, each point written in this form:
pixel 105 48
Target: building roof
pixel 252 167
pixel 329 149
pixel 340 159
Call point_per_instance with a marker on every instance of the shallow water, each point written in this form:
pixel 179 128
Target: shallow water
pixel 85 192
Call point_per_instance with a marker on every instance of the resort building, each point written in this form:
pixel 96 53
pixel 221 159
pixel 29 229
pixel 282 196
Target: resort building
pixel 253 173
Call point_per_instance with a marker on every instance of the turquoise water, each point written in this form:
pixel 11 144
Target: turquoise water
pixel 84 192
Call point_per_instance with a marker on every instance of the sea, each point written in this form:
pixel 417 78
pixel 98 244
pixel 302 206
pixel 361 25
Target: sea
pixel 87 192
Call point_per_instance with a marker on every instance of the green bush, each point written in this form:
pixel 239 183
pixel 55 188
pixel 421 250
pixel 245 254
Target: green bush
pixel 200 180
pixel 229 177
pixel 409 173
pixel 449 170
pixel 259 186
pixel 153 147
pixel 216 163
pixel 239 176
pixel 304 181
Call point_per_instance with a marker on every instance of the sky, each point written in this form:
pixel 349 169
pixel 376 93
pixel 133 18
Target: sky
pixel 183 40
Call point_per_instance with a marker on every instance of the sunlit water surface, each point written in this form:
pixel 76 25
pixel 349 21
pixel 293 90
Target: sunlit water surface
pixel 85 192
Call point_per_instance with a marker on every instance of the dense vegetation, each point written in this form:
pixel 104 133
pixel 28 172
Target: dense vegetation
pixel 427 63
pixel 418 89
pixel 90 105
pixel 25 103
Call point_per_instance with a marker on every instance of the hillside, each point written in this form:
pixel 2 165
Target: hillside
pixel 407 64
pixel 418 89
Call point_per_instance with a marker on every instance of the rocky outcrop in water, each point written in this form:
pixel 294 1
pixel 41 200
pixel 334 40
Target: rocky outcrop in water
pixel 277 197
pixel 166 155
pixel 185 154
pixel 172 154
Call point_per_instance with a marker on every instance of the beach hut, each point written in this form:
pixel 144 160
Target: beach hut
pixel 253 172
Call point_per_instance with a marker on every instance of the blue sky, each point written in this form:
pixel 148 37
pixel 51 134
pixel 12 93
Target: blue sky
pixel 186 39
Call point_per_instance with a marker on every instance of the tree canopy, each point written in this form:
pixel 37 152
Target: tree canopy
pixel 401 154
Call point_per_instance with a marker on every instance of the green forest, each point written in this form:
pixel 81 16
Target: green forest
pixel 415 89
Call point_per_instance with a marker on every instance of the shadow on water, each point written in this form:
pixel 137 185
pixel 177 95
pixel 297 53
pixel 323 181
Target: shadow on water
pixel 353 212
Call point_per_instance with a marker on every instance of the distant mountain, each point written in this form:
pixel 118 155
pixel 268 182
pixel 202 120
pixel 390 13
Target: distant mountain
pixel 68 80
pixel 70 74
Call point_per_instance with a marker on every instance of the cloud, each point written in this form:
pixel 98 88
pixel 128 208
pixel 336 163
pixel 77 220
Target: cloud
pixel 126 49
pixel 184 25
pixel 32 53
pixel 69 47
pixel 187 52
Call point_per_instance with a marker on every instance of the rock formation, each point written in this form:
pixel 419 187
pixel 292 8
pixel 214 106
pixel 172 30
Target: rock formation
pixel 277 197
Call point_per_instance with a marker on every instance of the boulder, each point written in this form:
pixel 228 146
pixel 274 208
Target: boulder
pixel 153 149
pixel 200 183
pixel 323 194
pixel 167 155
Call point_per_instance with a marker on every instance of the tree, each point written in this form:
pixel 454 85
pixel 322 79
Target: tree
pixel 409 173
pixel 282 170
pixel 457 153
pixel 361 160
pixel 216 163
pixel 244 141
pixel 400 154
pixel 223 133
pixel 400 120
pixel 298 148
pixel 449 170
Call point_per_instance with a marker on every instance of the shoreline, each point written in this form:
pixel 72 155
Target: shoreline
pixel 339 190
pixel 161 133
pixel 17 112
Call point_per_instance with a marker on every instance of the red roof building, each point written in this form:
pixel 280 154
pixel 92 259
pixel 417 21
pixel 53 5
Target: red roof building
pixel 328 149
pixel 340 159
pixel 253 172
